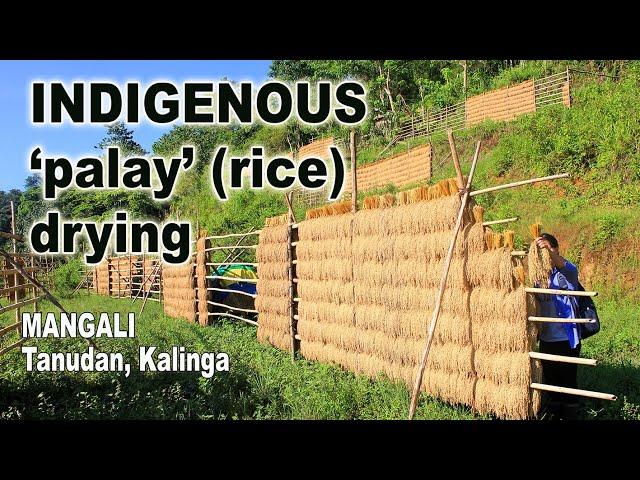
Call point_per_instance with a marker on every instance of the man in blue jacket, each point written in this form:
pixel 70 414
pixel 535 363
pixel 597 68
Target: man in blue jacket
pixel 559 338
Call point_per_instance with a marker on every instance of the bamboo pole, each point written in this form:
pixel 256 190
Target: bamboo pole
pixel 228 290
pixel 234 279
pixel 291 275
pixel 497 222
pixel 230 235
pixel 573 391
pixel 7 329
pixel 354 175
pixel 456 161
pixel 518 253
pixel 443 283
pixel 17 305
pixel 231 247
pixel 553 291
pixel 561 320
pixel 12 346
pixel 247 310
pixel 15 250
pixel 518 184
pixel 11 236
pixel 563 358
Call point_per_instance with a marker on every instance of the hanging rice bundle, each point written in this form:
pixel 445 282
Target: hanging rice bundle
pixel 478 213
pixel 538 260
pixel 508 238
pixel 179 291
pixel 492 268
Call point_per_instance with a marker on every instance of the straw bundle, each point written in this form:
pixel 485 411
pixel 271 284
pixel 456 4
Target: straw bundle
pixel 367 284
pixel 538 260
pixel 179 291
pixel 272 300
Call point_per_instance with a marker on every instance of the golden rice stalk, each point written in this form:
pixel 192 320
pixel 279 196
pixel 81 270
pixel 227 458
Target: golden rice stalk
pixel 453 186
pixel 336 269
pixel 451 328
pixel 333 291
pixel 276 338
pixel 508 237
pixel 497 240
pixel 326 312
pixel 488 238
pixel 503 400
pixel 503 367
pixel 403 198
pixel 273 270
pixel 449 357
pixel 271 252
pixel 539 265
pixel 451 387
pixel 492 268
pixel 535 229
pixel 273 288
pixel 474 239
pixel 265 304
pixel 371 203
pixel 387 200
pixel 276 221
pixel 519 274
pixel 324 228
pixel 277 234
pixel 478 213
pixel 274 323
pixel 322 249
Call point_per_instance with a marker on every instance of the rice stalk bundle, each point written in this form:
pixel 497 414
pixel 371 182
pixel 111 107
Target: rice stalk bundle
pixel 273 288
pixel 403 198
pixel 277 220
pixel 478 213
pixel 322 249
pixel 497 241
pixel 450 387
pixel 371 203
pixel 453 186
pixel 433 274
pixel 503 366
pixel 449 357
pixel 366 222
pixel 474 240
pixel 488 238
pixel 273 337
pixel 539 265
pixel 387 200
pixel 518 273
pixel 504 400
pixel 271 252
pixel 324 228
pixel 371 248
pixel 450 328
pixel 492 268
pixel 273 270
pixel 333 291
pixel 372 274
pixel 325 270
pixel 274 305
pixel 274 234
pixel 508 238
pixel 326 312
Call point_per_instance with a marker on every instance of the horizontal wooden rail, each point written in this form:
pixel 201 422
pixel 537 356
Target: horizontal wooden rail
pixel 7 329
pixel 12 346
pixel 235 279
pixel 13 271
pixel 230 235
pixel 496 222
pixel 518 253
pixel 246 310
pixel 228 290
pixel 218 314
pixel 518 184
pixel 561 320
pixel 573 391
pixel 562 358
pixel 232 247
pixel 21 304
pixel 553 291
pixel 11 236
pixel 23 286
pixel 219 264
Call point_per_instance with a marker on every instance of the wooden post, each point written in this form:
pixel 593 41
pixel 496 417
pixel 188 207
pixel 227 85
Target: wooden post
pixel 354 176
pixel 443 284
pixel 456 161
pixel 130 276
pixel 35 304
pixel 291 276
pixel 15 250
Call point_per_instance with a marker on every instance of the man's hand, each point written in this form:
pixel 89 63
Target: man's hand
pixel 543 243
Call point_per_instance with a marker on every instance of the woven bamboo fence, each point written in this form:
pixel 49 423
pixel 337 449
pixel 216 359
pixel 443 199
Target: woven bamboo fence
pixel 366 284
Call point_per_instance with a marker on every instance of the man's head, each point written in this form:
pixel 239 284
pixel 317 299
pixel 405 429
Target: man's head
pixel 546 240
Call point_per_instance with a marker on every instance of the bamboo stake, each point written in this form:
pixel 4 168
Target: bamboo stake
pixel 497 222
pixel 456 161
pixel 573 391
pixel 230 235
pixel 443 283
pixel 561 320
pixel 552 291
pixel 354 175
pixel 232 308
pixel 146 296
pixel 291 275
pixel 227 290
pixel 234 279
pixel 40 286
pixel 563 358
pixel 8 328
pixel 518 184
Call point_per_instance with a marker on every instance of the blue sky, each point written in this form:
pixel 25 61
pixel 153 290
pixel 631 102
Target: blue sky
pixel 17 136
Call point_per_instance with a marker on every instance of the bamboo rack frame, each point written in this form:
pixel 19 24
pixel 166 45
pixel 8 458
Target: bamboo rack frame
pixel 562 358
pixel 497 222
pixel 561 320
pixel 518 184
pixel 553 291
pixel 573 391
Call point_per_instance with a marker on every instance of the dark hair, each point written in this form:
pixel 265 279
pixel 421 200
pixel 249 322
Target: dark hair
pixel 552 240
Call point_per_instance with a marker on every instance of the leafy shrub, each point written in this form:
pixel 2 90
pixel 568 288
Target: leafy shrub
pixel 67 277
